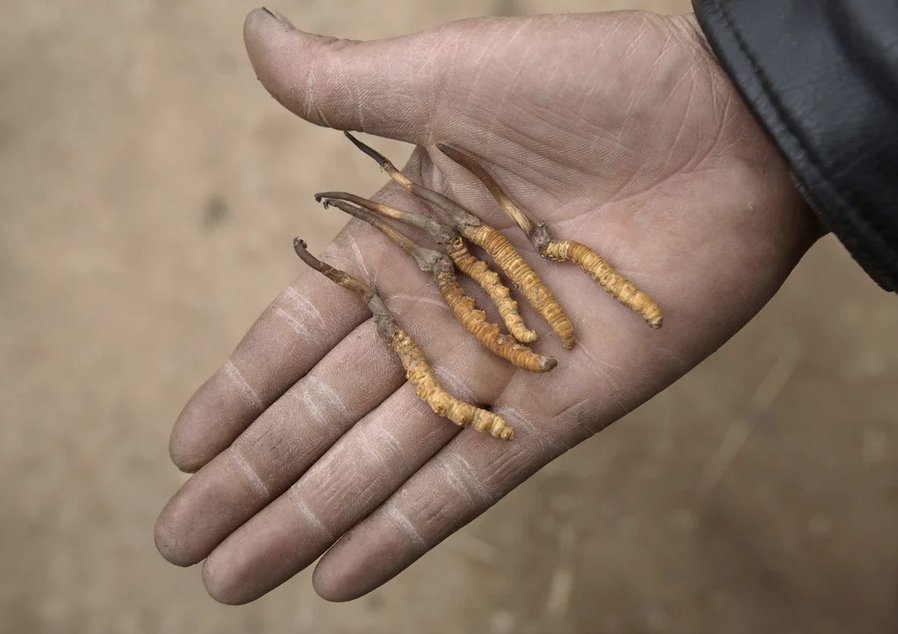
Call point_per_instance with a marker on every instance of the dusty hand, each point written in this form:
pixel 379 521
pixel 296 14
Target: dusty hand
pixel 621 132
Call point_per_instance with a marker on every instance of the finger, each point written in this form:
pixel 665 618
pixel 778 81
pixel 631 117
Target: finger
pixel 385 87
pixel 360 471
pixel 279 446
pixel 460 482
pixel 287 340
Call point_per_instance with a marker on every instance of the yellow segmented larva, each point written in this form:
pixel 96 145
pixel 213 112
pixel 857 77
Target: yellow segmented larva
pixel 485 332
pixel 420 374
pixel 619 287
pixel 525 278
pixel 489 281
pixel 560 250
pixel 417 369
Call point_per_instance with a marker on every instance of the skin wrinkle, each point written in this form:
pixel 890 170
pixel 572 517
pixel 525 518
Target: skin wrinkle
pixel 386 449
pixel 633 47
pixel 322 399
pixel 353 84
pixel 257 484
pixel 456 482
pixel 548 181
pixel 455 386
pixel 240 383
pixel 502 99
pixel 511 163
pixel 402 314
pixel 395 446
pixel 510 466
pixel 605 377
pixel 547 444
pixel 437 84
pixel 310 517
pixel 635 93
pixel 250 439
pixel 585 402
pixel 459 472
pixel 409 301
pixel 360 261
pixel 310 81
pixel 303 306
pixel 692 160
pixel 478 65
pixel 297 326
pixel 400 521
pixel 725 121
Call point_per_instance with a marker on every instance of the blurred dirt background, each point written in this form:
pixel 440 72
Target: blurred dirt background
pixel 149 188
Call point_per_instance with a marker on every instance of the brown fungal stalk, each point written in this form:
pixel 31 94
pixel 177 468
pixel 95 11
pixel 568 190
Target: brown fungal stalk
pixel 490 240
pixel 591 262
pixel 460 304
pixel 417 370
pixel 454 246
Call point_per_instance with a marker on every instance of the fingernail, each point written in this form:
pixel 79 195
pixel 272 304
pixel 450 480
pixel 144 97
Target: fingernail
pixel 277 16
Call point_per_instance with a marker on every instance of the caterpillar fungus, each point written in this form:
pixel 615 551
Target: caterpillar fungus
pixel 453 245
pixel 502 252
pixel 462 306
pixel 591 262
pixel 417 370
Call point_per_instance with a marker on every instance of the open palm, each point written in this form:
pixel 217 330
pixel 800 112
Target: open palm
pixel 618 130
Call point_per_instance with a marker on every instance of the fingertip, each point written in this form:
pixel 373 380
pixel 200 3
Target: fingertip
pixel 278 51
pixel 262 32
pixel 214 416
pixel 331 586
pixel 220 585
pixel 166 536
pixel 185 447
pixel 263 18
pixel 334 578
pixel 186 459
pixel 326 586
pixel 361 561
pixel 253 26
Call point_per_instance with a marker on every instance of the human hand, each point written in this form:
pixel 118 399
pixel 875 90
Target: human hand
pixel 620 131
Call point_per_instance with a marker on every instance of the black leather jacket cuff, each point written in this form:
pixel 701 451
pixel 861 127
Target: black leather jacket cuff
pixel 822 78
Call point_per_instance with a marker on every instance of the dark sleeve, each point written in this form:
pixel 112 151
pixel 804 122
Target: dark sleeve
pixel 822 77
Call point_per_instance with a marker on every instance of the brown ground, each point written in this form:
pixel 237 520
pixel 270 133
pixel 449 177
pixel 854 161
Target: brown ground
pixel 148 191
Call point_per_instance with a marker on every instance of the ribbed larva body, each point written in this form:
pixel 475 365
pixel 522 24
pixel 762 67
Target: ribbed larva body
pixel 525 278
pixel 420 374
pixel 489 281
pixel 607 277
pixel 487 333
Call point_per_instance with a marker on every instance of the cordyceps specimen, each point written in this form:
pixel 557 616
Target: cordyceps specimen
pixel 454 246
pixel 460 304
pixel 417 369
pixel 490 240
pixel 595 265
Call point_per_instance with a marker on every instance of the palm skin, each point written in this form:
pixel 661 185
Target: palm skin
pixel 620 131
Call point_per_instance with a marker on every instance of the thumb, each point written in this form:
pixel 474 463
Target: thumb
pixel 384 87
